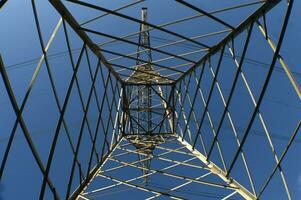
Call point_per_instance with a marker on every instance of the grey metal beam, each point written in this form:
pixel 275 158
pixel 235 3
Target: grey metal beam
pixel 2 2
pixel 93 173
pixel 241 27
pixel 205 13
pixel 136 20
pixel 60 7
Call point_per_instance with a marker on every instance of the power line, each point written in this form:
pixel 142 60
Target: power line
pixel 256 132
pixel 51 57
pixel 247 60
pixel 155 38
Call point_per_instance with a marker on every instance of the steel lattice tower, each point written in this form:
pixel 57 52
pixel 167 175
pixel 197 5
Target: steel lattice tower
pixel 140 98
pixel 180 102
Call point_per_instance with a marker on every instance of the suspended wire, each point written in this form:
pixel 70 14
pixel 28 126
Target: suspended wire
pixel 154 38
pixel 228 55
pixel 52 56
pixel 256 132
pixel 158 39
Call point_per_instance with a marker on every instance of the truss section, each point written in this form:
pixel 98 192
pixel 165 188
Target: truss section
pixel 220 103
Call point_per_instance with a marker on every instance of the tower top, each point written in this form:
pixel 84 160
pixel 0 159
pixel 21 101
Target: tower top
pixel 144 19
pixel 145 72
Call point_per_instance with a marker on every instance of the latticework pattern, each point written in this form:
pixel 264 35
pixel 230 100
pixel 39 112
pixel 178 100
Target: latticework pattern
pixel 69 126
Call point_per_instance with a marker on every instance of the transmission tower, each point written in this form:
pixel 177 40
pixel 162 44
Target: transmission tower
pixel 141 106
pixel 187 106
